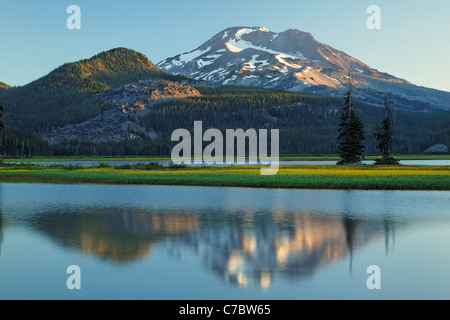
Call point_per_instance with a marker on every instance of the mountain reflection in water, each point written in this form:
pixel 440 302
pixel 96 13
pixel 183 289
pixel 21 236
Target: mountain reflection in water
pixel 241 247
pixel 118 235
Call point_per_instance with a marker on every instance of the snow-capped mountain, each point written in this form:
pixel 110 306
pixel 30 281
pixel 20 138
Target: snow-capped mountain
pixel 293 60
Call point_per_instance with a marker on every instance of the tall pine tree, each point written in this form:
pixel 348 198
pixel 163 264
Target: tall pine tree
pixel 351 133
pixel 1 114
pixel 384 133
pixel 1 127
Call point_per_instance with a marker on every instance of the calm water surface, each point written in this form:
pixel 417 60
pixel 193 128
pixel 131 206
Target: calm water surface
pixel 175 242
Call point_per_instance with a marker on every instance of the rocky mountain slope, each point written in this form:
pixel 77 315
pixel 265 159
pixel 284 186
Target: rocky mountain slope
pixel 295 61
pixel 119 122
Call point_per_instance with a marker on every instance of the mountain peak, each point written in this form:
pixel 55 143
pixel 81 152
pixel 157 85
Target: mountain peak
pixel 257 56
pixel 129 55
pixel 104 71
pixel 291 60
pixel 235 28
pixel 263 29
pixel 299 34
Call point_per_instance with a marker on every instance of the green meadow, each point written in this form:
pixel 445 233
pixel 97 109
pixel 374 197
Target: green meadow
pixel 363 177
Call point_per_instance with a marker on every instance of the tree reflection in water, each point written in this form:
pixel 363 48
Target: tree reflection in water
pixel 1 222
pixel 1 231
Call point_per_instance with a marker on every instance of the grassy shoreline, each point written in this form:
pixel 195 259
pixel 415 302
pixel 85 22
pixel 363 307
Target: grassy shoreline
pixel 365 177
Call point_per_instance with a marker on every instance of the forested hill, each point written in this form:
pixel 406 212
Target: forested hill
pixel 308 124
pixel 56 99
pixel 102 72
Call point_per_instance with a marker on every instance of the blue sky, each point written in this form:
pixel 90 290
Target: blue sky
pixel 413 42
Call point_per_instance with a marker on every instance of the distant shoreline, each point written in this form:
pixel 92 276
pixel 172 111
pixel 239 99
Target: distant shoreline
pixel 299 157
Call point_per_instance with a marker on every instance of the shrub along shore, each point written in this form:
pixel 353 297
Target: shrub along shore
pixel 362 177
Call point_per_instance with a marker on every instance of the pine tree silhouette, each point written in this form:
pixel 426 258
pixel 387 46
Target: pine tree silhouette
pixel 351 133
pixel 384 133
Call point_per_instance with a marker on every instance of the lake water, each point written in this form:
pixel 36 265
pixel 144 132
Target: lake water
pixel 176 242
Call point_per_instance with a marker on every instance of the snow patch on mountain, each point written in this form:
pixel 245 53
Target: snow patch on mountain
pixel 280 58
pixel 207 60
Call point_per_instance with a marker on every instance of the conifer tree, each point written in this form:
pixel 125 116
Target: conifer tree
pixel 1 127
pixel 351 133
pixel 1 114
pixel 384 133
